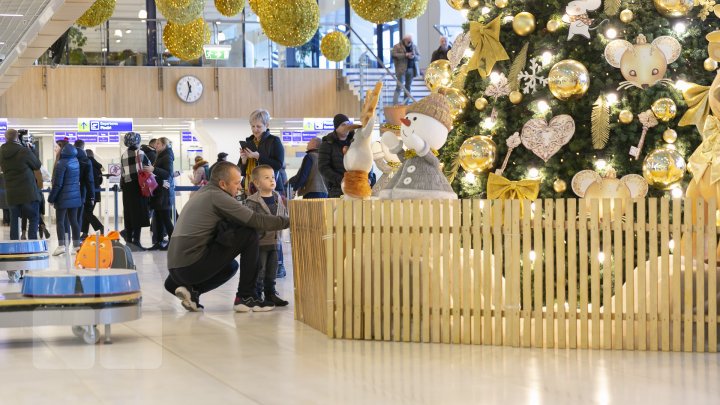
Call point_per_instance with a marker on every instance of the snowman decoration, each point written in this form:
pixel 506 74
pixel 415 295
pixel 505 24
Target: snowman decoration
pixel 423 131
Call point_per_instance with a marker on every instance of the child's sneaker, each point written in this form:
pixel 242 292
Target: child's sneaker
pixel 275 299
pixel 252 304
pixel 189 300
pixel 59 251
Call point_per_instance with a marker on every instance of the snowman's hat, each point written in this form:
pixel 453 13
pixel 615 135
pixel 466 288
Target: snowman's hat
pixel 435 105
pixel 393 115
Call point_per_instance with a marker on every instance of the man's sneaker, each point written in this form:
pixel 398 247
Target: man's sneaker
pixel 189 300
pixel 59 251
pixel 275 299
pixel 252 304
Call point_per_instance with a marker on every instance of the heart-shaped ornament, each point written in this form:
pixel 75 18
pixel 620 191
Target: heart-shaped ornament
pixel 545 139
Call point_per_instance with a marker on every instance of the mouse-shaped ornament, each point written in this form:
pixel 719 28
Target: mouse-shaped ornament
pixel 643 64
pixel 577 17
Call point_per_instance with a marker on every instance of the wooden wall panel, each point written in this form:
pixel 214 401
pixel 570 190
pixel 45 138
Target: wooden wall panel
pixel 75 92
pixel 26 98
pixel 205 107
pixel 134 92
pixel 243 91
pixel 304 93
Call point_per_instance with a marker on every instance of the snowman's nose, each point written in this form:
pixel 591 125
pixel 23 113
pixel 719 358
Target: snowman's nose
pixel 405 121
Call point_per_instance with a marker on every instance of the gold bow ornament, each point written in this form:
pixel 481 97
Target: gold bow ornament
pixel 705 155
pixel 488 49
pixel 697 99
pixel 500 188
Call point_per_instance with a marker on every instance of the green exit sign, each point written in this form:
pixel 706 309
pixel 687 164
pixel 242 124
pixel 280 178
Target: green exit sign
pixel 217 52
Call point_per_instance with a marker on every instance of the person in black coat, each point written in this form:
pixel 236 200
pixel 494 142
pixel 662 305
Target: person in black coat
pixel 91 200
pixel 442 51
pixel 163 200
pixel 150 150
pixel 331 153
pixel 135 206
pixel 65 195
pixel 87 181
pixel 22 195
pixel 268 150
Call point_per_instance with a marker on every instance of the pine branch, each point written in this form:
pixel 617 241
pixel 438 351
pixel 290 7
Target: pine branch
pixel 517 66
pixel 452 173
pixel 600 120
pixel 612 7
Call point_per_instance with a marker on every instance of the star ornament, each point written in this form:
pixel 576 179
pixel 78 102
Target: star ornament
pixel 488 49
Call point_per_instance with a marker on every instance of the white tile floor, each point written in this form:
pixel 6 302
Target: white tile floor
pixel 170 356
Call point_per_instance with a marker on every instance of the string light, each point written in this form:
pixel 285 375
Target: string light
pixel 611 98
pixel 611 33
pixel 601 257
pixel 679 28
pixel 494 77
pixel 682 85
pixel 546 58
pixel 469 177
pixel 676 192
pixel 533 173
pixel 489 123
pixel 532 255
pixel 485 10
pixel 600 164
pixel 543 106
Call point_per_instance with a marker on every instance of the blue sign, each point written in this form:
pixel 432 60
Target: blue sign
pixel 103 124
pixel 287 136
pixel 307 136
pixel 187 136
pixel 299 136
pixel 3 125
pixel 70 136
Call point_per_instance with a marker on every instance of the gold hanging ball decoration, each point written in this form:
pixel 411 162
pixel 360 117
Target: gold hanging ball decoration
pixel 381 11
pixel 181 12
pixel 289 23
pixel 477 154
pixel 186 40
pixel 456 4
pixel 559 186
pixel 501 3
pixel 626 117
pixel 473 3
pixel 626 16
pixel 459 77
pixel 670 136
pixel 710 64
pixel 417 9
pixel 455 98
pixel 664 109
pixel 674 8
pixel 229 8
pixel 254 5
pixel 553 25
pixel 481 103
pixel 335 46
pixel 438 74
pixel 524 24
pixel 663 167
pixel 515 97
pixel 568 79
pixel 97 14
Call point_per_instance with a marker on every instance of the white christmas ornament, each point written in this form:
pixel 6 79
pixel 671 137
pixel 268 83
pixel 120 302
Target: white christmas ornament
pixel 457 52
pixel 545 139
pixel 577 17
pixel 532 76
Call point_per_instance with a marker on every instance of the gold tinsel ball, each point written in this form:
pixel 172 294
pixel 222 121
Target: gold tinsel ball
pixel 473 3
pixel 477 154
pixel 663 167
pixel 181 11
pixel 626 16
pixel 335 46
pixel 625 117
pixel 481 103
pixel 417 9
pixel 553 25
pixel 524 23
pixel 568 79
pixel 670 136
pixel 664 109
pixel 186 40
pixel 455 98
pixel 674 8
pixel 381 11
pixel 97 14
pixel 515 97
pixel 501 3
pixel 229 8
pixel 438 74
pixel 710 65
pixel 254 5
pixel 289 23
pixel 456 4
pixel 559 186
pixel 459 76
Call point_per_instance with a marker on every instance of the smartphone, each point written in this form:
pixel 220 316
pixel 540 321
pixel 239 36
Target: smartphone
pixel 249 146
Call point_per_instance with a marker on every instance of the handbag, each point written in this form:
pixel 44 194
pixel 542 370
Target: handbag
pixel 147 181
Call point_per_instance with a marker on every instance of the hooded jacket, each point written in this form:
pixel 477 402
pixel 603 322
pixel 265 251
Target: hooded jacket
pixel 87 178
pixel 17 164
pixel 164 198
pixel 330 162
pixel 65 192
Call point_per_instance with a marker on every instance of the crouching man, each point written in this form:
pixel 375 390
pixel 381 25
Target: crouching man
pixel 213 229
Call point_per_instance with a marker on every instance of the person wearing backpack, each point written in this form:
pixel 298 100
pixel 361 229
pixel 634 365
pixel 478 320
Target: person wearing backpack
pixel 135 206
pixel 308 182
pixel 89 217
pixel 200 176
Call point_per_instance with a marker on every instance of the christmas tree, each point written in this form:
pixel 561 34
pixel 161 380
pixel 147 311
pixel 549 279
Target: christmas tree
pixel 557 63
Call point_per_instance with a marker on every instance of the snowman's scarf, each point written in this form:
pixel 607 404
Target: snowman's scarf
pixel 410 153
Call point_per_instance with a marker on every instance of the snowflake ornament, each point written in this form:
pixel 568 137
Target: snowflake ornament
pixel 499 87
pixel 532 76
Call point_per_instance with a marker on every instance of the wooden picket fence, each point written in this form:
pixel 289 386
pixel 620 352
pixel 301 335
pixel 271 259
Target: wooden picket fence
pixel 552 273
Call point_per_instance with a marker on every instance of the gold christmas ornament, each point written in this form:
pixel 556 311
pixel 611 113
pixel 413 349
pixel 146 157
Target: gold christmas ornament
pixel 670 136
pixel 456 4
pixel 417 9
pixel 186 40
pixel 181 11
pixel 626 16
pixel 515 97
pixel 553 25
pixel 559 186
pixel 438 74
pixel 289 23
pixel 501 3
pixel 524 24
pixel 568 79
pixel 664 109
pixel 254 5
pixel 710 64
pixel 473 3
pixel 97 14
pixel 626 117
pixel 458 77
pixel 229 8
pixel 335 46
pixel 663 167
pixel 477 154
pixel 381 11
pixel 481 103
pixel 456 99
pixel 674 8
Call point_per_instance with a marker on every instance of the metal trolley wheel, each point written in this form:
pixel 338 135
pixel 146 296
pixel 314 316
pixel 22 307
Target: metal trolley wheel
pixel 15 275
pixel 89 334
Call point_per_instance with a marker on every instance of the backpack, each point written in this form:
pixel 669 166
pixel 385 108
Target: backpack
pixel 122 256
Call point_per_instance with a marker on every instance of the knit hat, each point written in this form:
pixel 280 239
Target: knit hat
pixel 222 156
pixel 132 139
pixel 435 105
pixel 339 120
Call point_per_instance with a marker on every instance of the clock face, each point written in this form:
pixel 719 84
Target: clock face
pixel 189 89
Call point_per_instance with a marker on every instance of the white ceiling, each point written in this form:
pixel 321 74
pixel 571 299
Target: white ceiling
pixel 13 27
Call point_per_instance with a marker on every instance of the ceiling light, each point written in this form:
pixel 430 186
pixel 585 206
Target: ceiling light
pixel 142 14
pixel 10 15
pixel 118 33
pixel 221 36
pixel 128 31
pixel 117 41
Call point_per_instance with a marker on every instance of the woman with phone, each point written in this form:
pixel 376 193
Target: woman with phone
pixel 261 148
